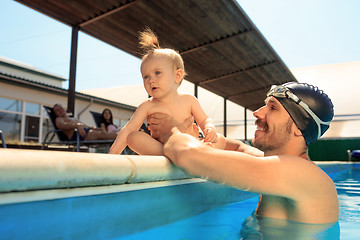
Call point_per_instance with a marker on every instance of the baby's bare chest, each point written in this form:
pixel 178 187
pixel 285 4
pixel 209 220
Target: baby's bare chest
pixel 179 111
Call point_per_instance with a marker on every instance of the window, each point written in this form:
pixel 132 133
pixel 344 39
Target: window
pixel 20 121
pixel 32 108
pixel 10 124
pixel 32 122
pixel 31 129
pixel 119 122
pixel 10 105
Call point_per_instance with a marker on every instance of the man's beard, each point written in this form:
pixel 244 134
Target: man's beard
pixel 274 140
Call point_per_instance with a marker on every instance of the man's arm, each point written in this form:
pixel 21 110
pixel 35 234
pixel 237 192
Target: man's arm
pixel 239 146
pixel 274 175
pixel 160 125
pixel 228 167
pixel 70 125
pixel 195 157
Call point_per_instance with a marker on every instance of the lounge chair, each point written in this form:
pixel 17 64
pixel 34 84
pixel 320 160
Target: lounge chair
pixel 2 139
pixel 97 118
pixel 63 140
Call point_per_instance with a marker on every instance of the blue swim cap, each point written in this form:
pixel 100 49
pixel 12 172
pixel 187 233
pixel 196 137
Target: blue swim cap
pixel 308 121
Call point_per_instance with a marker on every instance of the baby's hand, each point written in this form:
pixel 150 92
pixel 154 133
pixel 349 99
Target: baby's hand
pixel 210 135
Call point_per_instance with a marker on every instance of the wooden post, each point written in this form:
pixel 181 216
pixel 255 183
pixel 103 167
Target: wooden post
pixel 245 124
pixel 225 119
pixel 72 77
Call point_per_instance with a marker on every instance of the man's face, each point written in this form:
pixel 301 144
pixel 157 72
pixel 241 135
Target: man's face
pixel 59 111
pixel 274 126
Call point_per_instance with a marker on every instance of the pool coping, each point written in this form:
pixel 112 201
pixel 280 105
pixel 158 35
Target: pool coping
pixel 53 194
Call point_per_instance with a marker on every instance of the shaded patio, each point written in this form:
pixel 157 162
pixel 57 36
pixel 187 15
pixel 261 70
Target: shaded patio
pixel 223 50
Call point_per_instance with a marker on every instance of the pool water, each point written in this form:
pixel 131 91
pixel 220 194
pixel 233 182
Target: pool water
pixel 219 223
pixel 228 222
pixel 348 188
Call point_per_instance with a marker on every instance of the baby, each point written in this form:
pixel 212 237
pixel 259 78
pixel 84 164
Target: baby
pixel 162 70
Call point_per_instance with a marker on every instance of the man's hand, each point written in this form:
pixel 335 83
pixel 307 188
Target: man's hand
pixel 161 126
pixel 81 131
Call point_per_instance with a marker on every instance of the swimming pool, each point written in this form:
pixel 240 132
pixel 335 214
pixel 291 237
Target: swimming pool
pixel 226 222
pixel 64 195
pixel 348 188
pixel 70 197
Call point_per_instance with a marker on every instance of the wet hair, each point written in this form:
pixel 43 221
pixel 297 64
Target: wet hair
pixel 318 102
pixel 150 45
pixel 103 120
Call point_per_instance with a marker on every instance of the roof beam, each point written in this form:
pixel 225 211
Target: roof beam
pixel 235 73
pixel 251 91
pixel 214 41
pixel 106 14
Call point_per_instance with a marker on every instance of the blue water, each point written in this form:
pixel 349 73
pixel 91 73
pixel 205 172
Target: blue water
pixel 348 188
pixel 228 222
pixel 218 223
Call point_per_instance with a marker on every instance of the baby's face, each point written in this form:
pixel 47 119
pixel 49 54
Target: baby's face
pixel 159 75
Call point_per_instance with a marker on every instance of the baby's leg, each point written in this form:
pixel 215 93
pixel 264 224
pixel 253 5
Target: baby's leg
pixel 143 144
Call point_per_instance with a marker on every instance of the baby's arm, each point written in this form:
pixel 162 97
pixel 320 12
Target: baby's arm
pixel 209 131
pixel 206 124
pixel 133 125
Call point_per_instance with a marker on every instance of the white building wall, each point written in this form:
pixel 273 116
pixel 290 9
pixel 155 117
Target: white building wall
pixel 49 99
pixel 25 71
pixel 30 76
pixel 41 97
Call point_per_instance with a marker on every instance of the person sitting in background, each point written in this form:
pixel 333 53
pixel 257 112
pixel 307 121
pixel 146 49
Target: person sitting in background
pixel 106 122
pixel 68 126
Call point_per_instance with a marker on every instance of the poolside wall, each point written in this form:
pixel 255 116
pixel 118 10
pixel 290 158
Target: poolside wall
pixel 333 149
pixel 67 195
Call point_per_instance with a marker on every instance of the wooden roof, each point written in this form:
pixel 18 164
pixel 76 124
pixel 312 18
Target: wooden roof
pixel 222 49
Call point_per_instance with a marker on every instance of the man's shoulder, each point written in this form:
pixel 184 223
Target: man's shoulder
pixel 296 166
pixel 304 168
pixel 59 119
pixel 297 160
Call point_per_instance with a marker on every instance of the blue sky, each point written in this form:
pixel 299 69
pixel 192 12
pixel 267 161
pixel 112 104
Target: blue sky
pixel 303 33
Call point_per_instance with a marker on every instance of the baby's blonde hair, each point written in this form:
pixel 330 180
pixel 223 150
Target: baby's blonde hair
pixel 150 44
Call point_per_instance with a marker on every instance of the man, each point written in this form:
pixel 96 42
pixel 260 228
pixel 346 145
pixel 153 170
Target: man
pixel 68 126
pixel 291 186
